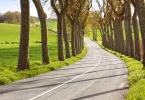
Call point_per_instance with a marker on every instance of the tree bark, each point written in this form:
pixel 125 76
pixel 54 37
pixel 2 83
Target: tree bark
pixel 116 40
pixel 73 39
pixel 120 36
pixel 65 36
pixel 128 28
pixel 60 13
pixel 140 7
pixel 23 58
pixel 136 36
pixel 60 37
pixel 42 16
pixel 112 39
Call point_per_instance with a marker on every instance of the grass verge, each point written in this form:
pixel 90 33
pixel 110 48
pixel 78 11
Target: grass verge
pixel 9 43
pixel 8 76
pixel 136 77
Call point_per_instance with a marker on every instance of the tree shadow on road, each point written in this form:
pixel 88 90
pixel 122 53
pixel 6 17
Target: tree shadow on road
pixel 101 93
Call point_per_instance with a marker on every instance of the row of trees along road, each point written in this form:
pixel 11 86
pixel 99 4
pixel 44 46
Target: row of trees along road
pixel 119 26
pixel 72 12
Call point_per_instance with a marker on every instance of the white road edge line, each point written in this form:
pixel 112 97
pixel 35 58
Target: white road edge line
pixel 66 81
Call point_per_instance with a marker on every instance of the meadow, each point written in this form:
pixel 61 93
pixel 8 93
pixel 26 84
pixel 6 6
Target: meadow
pixel 9 46
pixel 51 24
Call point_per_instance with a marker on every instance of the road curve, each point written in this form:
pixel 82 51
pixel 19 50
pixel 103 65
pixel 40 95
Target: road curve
pixel 98 76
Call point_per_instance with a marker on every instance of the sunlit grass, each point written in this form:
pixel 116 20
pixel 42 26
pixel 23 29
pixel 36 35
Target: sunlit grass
pixel 9 54
pixel 52 25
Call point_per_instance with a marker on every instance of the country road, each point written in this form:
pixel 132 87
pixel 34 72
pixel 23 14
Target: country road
pixel 98 76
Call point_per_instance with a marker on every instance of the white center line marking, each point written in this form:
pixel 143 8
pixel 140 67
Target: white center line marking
pixel 66 81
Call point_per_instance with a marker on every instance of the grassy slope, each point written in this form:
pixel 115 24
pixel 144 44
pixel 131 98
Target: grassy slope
pixel 136 77
pixel 9 54
pixel 52 25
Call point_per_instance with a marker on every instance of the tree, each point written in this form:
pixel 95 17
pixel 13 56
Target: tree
pixel 128 28
pixel 12 17
pixel 73 14
pixel 93 17
pixel 140 8
pixel 1 18
pixel 42 17
pixel 137 54
pixel 66 40
pixel 32 20
pixel 23 59
pixel 60 10
pixel 118 9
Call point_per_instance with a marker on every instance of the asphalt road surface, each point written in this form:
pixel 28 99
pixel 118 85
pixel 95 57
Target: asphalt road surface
pixel 98 76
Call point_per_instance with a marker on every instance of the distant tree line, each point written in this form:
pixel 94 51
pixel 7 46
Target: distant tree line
pixel 14 18
pixel 1 18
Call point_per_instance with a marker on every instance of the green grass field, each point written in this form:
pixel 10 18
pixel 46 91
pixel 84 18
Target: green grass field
pixel 52 25
pixel 9 39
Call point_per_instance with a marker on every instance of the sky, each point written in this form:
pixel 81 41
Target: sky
pixel 14 5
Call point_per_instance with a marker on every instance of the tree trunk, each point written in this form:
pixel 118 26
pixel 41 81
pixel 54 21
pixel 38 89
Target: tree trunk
pixel 136 36
pixel 120 36
pixel 108 38
pixel 129 38
pixel 76 36
pixel 79 37
pixel 116 40
pixel 112 41
pixel 23 59
pixel 65 36
pixel 42 16
pixel 96 37
pixel 73 39
pixel 141 14
pixel 127 46
pixel 60 12
pixel 105 36
pixel 60 37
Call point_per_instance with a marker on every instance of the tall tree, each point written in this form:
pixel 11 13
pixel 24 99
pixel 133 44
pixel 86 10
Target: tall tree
pixel 136 33
pixel 73 13
pixel 12 17
pixel 66 40
pixel 23 59
pixel 140 8
pixel 42 16
pixel 118 10
pixel 1 18
pixel 60 10
pixel 128 28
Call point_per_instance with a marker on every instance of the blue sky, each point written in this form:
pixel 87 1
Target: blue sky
pixel 14 5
